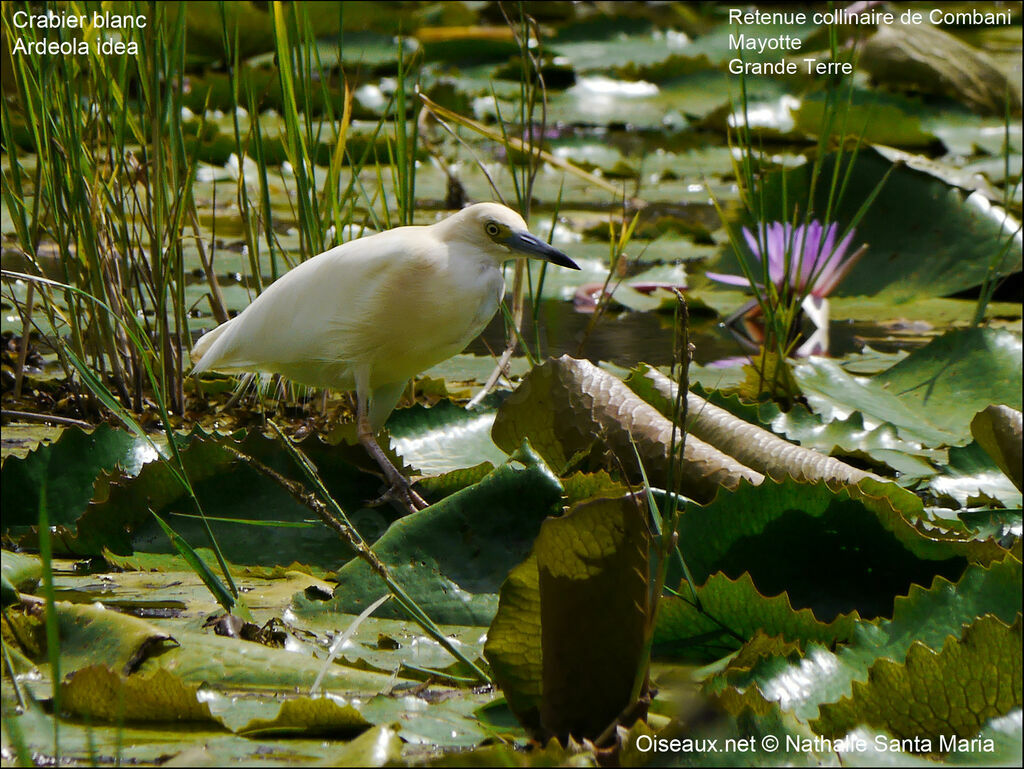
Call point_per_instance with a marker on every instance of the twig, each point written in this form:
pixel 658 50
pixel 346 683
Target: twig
pixel 19 372
pixel 337 521
pixel 670 522
pixel 29 416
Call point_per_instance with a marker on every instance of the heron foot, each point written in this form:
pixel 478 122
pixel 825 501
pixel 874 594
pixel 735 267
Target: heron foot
pixel 403 497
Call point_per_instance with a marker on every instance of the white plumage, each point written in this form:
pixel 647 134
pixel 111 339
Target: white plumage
pixel 372 313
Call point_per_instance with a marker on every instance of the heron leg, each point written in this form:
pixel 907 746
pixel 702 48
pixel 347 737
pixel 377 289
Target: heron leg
pixel 401 490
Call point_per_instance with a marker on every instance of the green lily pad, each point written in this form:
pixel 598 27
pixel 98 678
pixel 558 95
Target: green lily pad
pixel 514 646
pixel 21 571
pixel 945 240
pixel 449 558
pixel 762 529
pixel 20 438
pixel 957 375
pixel 937 694
pixel 931 395
pixel 243 501
pixel 721 614
pixel 972 478
pixel 997 429
pixel 606 43
pixel 448 721
pixel 593 574
pixel 569 630
pixel 68 468
pixel 874 117
pixel 445 437
pixel 802 682
pixel 91 741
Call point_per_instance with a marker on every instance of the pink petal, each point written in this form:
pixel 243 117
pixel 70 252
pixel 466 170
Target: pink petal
pixel 828 285
pixel 732 280
pixel 777 242
pixel 830 239
pixel 834 265
pixel 815 257
pixel 752 242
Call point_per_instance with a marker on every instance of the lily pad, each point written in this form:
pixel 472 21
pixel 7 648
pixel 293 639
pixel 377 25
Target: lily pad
pixel 68 468
pixel 945 240
pixel 931 395
pixel 807 540
pixel 957 375
pixel 998 430
pixel 449 558
pixel 445 437
pixel 937 694
pixel 927 616
pixel 569 630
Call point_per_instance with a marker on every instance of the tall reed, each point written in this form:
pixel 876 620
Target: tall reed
pixel 999 264
pixel 110 192
pixel 780 302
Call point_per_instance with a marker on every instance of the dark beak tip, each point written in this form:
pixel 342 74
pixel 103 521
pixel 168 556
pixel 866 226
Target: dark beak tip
pixel 534 246
pixel 560 259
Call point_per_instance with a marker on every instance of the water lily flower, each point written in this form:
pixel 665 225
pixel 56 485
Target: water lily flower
pixel 588 295
pixel 805 261
pixel 806 257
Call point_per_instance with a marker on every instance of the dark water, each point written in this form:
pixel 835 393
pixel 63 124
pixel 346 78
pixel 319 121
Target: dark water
pixel 620 338
pixel 627 338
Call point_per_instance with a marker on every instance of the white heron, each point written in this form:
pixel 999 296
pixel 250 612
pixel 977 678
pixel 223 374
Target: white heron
pixel 372 313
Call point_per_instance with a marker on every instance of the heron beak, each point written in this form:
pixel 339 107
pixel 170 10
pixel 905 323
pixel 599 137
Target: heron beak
pixel 526 243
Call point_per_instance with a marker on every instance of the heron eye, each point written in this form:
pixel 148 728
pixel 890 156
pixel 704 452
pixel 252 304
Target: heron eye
pixel 492 229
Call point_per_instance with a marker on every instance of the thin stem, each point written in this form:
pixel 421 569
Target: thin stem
pixel 331 513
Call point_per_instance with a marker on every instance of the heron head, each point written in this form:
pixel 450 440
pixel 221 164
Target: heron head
pixel 491 224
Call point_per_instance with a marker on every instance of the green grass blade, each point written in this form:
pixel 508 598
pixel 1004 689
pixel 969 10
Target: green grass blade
pixel 216 587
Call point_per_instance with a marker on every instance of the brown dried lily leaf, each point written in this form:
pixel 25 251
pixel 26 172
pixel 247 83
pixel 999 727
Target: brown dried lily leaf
pixel 997 429
pixel 593 579
pixel 925 58
pixel 752 445
pixel 98 692
pixel 566 642
pixel 571 409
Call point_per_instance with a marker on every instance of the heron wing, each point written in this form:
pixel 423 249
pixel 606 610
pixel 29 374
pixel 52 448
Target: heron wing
pixel 317 321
